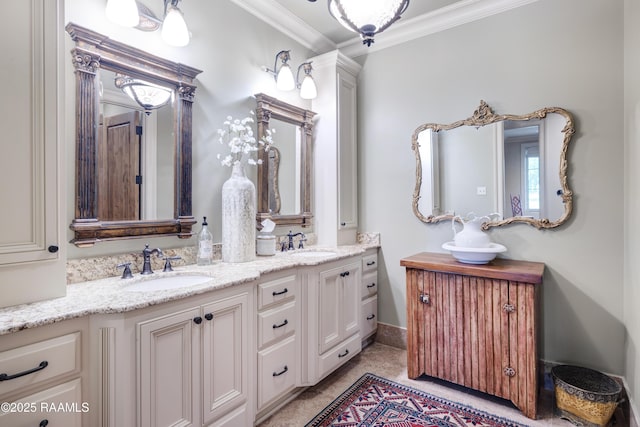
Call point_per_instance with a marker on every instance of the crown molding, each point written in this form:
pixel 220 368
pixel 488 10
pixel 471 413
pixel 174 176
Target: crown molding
pixel 456 14
pixel 280 18
pixel 461 12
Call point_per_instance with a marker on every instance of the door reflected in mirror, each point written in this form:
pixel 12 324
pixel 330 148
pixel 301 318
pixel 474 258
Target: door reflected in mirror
pixel 513 165
pixel 284 169
pixel 135 157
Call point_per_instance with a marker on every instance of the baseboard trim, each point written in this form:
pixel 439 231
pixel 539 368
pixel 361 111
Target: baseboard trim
pixel 394 336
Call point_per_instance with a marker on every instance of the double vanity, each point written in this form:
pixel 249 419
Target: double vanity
pixel 186 347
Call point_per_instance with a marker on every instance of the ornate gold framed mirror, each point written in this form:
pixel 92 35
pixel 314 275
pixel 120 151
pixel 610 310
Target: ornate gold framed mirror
pixel 116 197
pixel 513 165
pixel 284 173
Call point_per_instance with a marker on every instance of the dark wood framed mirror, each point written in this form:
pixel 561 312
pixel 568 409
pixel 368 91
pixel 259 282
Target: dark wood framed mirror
pixel 95 53
pixel 284 174
pixel 512 165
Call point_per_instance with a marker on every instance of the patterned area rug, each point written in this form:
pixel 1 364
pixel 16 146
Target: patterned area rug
pixel 375 401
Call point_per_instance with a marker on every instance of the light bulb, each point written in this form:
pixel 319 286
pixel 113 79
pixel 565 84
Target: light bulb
pixel 174 28
pixel 123 12
pixel 308 88
pixel 284 80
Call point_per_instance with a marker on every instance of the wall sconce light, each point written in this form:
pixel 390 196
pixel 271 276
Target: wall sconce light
pixel 147 95
pixel 284 76
pixel 132 13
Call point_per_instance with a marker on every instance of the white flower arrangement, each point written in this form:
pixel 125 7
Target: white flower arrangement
pixel 238 135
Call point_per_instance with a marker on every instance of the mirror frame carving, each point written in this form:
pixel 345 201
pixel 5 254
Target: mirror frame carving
pixel 92 52
pixel 269 108
pixel 482 116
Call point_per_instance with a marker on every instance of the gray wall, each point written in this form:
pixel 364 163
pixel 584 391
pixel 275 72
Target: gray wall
pixel 632 197
pixel 549 53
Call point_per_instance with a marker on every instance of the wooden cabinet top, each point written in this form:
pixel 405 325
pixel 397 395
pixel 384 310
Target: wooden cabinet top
pixel 501 269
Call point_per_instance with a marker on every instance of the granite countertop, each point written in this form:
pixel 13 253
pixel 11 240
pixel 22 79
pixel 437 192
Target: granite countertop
pixel 110 295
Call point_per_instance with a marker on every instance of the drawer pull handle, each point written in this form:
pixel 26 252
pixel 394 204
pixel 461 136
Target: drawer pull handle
pixel 371 317
pixel 370 263
pixel 346 273
pixel 197 320
pixel 41 366
pixel 277 374
pixel 371 285
pixel 344 354
pixel 43 423
pixel 208 316
pixel 275 294
pixel 285 323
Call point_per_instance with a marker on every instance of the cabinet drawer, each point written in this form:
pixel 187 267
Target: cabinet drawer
pixel 339 355
pixel 60 406
pixel 277 290
pixel 44 360
pixel 276 323
pixel 369 284
pixel 369 322
pixel 369 263
pixel 276 371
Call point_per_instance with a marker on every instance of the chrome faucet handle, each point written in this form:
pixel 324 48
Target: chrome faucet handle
pixel 126 273
pixel 283 246
pixel 167 263
pixel 303 238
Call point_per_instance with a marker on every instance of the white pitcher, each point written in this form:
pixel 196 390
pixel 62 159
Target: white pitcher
pixel 471 235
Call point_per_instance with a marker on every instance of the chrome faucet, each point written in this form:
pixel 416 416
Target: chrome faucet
pixel 146 254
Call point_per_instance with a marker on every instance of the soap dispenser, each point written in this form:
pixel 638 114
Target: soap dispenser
pixel 205 245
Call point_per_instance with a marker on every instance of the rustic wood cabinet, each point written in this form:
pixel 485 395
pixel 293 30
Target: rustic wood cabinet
pixel 475 325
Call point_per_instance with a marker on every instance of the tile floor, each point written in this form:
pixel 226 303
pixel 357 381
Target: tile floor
pixel 391 363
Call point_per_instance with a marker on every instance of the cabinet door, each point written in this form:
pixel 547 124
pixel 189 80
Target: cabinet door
pixel 168 363
pixel 225 356
pixel 339 312
pixel 347 152
pixel 31 132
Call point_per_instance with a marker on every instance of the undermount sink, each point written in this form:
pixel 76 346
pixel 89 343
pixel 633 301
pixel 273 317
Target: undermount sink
pixel 170 282
pixel 310 254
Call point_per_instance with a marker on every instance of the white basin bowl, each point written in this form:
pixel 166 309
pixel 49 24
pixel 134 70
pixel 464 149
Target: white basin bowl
pixel 311 254
pixel 474 255
pixel 169 282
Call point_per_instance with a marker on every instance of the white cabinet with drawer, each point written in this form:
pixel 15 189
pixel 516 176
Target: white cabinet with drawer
pixel 41 374
pixel 278 320
pixel 369 294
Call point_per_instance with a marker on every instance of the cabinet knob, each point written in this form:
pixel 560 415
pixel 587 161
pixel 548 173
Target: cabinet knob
pixel 509 371
pixel 197 320
pixel 346 273
pixel 509 308
pixel 52 249
pixel 424 298
pixel 208 316
pixel 43 423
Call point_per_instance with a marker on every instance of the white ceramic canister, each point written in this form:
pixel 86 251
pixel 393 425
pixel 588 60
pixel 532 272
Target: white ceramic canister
pixel 266 245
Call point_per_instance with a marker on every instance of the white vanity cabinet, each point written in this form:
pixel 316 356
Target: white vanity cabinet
pixel 333 316
pixel 42 373
pixel 185 363
pixel 278 338
pixel 369 294
pixel 32 265
pixel 336 217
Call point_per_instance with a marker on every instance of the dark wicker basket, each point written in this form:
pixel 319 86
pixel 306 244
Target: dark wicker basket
pixel 584 396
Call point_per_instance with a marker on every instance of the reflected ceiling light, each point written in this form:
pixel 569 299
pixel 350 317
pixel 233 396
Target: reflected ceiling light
pixel 148 95
pixel 367 18
pixel 133 13
pixel 123 12
pixel 307 88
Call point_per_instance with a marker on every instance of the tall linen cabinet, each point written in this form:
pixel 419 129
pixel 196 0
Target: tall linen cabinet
pixel 335 151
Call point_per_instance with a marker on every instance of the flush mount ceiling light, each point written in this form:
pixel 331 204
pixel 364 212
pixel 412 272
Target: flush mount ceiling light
pixel 284 76
pixel 148 95
pixel 367 18
pixel 132 13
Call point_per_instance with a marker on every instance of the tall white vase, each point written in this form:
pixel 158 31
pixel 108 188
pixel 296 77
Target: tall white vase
pixel 238 217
